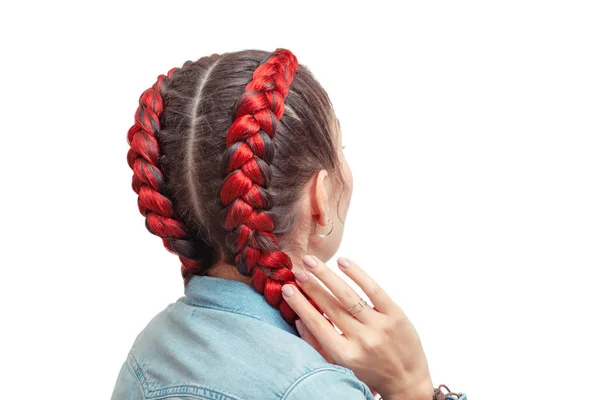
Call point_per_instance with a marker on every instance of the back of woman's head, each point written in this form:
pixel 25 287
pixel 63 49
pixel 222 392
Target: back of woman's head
pixel 221 150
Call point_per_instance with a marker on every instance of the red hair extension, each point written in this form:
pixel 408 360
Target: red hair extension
pixel 148 180
pixel 244 193
pixel 245 167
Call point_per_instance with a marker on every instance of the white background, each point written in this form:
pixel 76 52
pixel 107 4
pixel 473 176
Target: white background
pixel 472 129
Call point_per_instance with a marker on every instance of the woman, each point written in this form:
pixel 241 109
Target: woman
pixel 238 164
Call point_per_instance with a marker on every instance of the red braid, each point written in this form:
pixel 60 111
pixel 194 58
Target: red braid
pixel 148 180
pixel 244 193
pixel 247 174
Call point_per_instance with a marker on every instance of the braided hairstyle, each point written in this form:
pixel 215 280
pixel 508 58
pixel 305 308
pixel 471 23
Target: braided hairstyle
pixel 220 150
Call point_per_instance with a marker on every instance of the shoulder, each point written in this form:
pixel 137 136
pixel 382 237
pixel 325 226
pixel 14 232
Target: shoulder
pixel 196 352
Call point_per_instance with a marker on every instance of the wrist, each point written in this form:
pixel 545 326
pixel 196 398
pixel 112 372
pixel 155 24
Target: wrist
pixel 423 391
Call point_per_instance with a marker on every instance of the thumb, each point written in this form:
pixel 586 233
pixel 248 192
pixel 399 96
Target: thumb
pixel 309 338
pixel 306 334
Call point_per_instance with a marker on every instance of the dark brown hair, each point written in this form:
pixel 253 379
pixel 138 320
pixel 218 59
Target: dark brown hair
pixel 180 156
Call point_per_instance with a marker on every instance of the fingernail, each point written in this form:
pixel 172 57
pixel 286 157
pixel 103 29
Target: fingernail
pixel 310 261
pixel 287 290
pixel 302 276
pixel 300 326
pixel 343 262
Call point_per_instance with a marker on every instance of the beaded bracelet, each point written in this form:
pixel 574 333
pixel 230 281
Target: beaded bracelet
pixel 439 395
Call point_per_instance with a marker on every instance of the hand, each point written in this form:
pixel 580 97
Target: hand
pixel 380 345
pixel 310 339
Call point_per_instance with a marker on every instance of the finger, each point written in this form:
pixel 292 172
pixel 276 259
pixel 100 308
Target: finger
pixel 327 302
pixel 314 321
pixel 346 296
pixel 310 339
pixel 380 299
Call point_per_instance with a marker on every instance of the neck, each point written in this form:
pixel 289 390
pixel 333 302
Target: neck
pixel 228 271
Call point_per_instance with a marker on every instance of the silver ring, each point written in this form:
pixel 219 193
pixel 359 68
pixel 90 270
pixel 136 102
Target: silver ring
pixel 362 303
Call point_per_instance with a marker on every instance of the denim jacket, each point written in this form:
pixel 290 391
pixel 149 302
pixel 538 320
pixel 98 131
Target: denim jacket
pixel 223 341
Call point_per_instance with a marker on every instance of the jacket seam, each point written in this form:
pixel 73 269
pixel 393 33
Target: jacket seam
pixel 315 371
pixel 137 379
pixel 193 391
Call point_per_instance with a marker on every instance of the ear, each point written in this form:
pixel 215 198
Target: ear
pixel 319 196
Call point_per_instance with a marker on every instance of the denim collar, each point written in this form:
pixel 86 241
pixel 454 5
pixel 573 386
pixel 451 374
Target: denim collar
pixel 236 297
